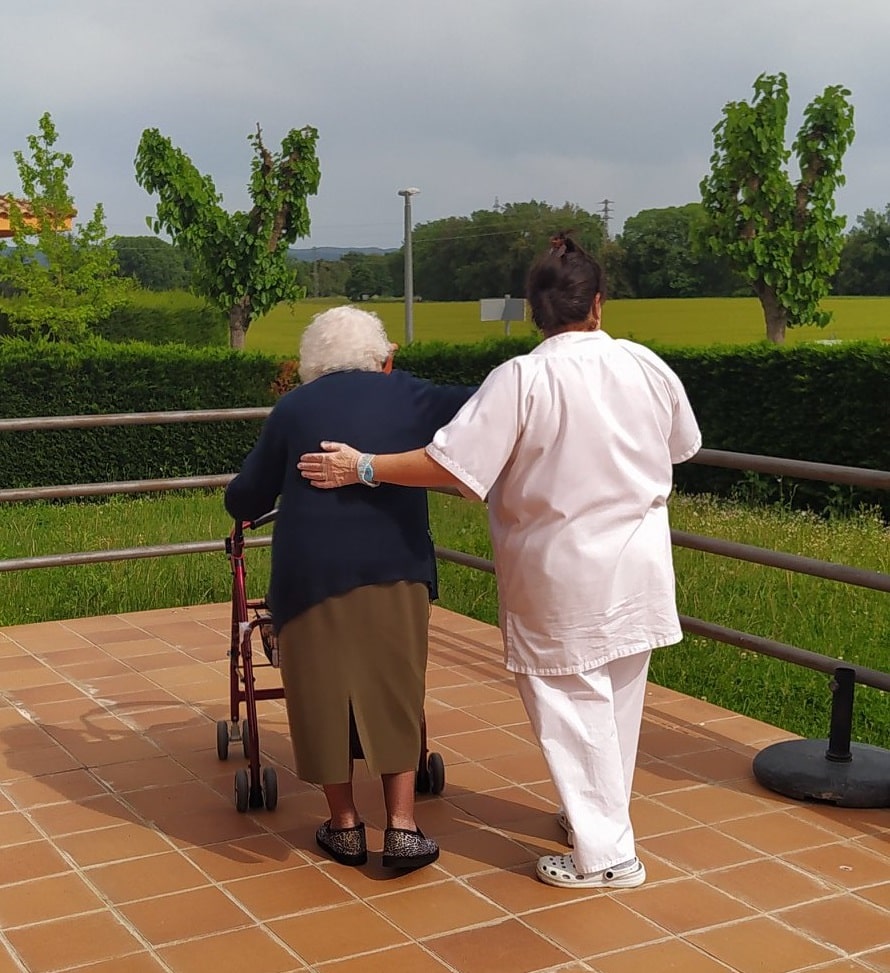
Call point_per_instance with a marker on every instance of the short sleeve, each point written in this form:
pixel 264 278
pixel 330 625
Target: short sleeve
pixel 685 437
pixel 476 445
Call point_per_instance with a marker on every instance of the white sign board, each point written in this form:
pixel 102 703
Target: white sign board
pixel 502 309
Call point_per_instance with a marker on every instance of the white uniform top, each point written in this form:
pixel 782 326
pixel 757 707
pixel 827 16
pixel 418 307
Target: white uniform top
pixel 573 446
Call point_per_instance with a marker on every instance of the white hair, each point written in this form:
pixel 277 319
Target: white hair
pixel 343 339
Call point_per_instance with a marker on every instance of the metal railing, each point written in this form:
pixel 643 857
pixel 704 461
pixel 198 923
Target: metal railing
pixel 847 475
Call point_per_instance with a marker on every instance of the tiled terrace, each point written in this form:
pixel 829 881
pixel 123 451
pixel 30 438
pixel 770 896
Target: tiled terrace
pixel 121 850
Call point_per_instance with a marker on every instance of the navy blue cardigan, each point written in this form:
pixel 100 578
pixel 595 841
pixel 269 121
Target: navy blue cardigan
pixel 327 542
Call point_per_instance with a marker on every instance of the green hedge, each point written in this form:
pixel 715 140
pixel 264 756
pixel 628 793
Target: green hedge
pixel 823 403
pixel 43 379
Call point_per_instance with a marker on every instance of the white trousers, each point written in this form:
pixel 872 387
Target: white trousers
pixel 588 726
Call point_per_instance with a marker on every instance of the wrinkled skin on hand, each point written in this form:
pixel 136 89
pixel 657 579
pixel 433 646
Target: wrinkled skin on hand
pixel 337 466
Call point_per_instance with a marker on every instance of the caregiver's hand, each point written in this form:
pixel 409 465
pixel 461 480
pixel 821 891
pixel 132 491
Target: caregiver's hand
pixel 337 466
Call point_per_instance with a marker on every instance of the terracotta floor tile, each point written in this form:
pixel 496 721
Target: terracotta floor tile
pixel 768 884
pixel 64 943
pixel 188 797
pixel 653 817
pixel 668 956
pixel 698 849
pixel 246 857
pixel 468 695
pixel 33 859
pixel 671 741
pixel 233 952
pixel 52 693
pixel 846 865
pixel 330 934
pixel 442 817
pixel 113 844
pixel 878 894
pixel 88 814
pixel 287 892
pixel 7 963
pixel 505 713
pixel 142 878
pixel 443 722
pixel 653 779
pixel 687 904
pixel 373 879
pixel 210 828
pixel 184 915
pixel 16 828
pixel 481 850
pixel 518 890
pixel 35 763
pixel 483 744
pixel 24 736
pixel 134 963
pixel 473 778
pixel 521 768
pixel 72 785
pixel 716 765
pixel 46 898
pixel 497 808
pixel 846 822
pixel 588 928
pixel 762 946
pixel 139 774
pixel 507 945
pixel 777 832
pixel 845 921
pixel 397 959
pixel 713 804
pixel 878 960
pixel 434 909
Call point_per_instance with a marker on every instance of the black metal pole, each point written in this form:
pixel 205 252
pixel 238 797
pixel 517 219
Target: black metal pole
pixel 841 729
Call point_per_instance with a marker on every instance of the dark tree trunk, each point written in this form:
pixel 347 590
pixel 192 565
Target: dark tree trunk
pixel 774 314
pixel 239 321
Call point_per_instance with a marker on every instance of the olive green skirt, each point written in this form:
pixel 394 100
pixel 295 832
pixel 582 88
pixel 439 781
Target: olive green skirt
pixel 354 672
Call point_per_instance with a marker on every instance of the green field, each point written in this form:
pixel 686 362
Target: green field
pixel 681 321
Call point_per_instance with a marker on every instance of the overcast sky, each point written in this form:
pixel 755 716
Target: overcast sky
pixel 469 100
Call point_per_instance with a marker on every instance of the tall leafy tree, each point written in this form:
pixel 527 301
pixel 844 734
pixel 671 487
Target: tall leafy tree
pixel 865 259
pixel 240 259
pixel 59 282
pixel 782 235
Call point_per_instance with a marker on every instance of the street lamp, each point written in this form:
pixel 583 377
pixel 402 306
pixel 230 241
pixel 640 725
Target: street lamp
pixel 409 267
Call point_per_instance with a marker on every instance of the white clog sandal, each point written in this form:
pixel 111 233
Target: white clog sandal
pixel 560 870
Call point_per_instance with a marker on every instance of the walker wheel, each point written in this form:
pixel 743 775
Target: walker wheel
pixel 270 788
pixel 436 769
pixel 245 738
pixel 242 790
pixel 222 739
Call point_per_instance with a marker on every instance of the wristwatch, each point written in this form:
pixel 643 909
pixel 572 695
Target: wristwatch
pixel 365 470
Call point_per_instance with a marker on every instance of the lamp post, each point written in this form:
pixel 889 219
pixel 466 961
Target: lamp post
pixel 409 267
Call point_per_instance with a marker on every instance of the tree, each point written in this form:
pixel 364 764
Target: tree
pixel 240 259
pixel 865 259
pixel 153 263
pixel 60 282
pixel 663 256
pixel 488 253
pixel 784 237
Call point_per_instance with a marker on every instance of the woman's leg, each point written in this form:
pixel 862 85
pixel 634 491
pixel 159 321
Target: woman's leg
pixel 398 795
pixel 574 719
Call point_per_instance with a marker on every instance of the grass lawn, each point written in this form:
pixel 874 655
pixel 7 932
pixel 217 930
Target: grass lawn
pixel 680 321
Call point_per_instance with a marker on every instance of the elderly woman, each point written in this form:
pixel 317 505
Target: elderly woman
pixel 573 446
pixel 352 577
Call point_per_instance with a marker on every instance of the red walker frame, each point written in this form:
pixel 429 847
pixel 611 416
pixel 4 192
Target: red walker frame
pixel 257 787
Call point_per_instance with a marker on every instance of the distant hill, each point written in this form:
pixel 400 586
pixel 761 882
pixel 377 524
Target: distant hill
pixel 308 254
